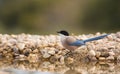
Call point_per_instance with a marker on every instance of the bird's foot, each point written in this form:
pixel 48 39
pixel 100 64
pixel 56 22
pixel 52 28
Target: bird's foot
pixel 69 54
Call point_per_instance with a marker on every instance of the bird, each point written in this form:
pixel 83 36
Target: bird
pixel 71 43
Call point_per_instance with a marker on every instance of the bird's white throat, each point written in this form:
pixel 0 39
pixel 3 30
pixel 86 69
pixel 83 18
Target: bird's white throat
pixel 62 37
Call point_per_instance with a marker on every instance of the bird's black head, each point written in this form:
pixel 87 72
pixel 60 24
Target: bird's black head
pixel 63 32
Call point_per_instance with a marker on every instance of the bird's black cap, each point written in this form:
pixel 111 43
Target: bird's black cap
pixel 63 32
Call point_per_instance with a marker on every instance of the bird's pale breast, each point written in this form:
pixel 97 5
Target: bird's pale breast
pixel 67 41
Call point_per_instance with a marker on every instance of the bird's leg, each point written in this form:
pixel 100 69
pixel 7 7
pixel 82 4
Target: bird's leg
pixel 69 54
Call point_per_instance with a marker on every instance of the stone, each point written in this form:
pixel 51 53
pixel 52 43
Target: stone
pixel 111 58
pixel 62 59
pixel 52 52
pixel 91 53
pixel 70 60
pixel 104 54
pixel 98 54
pixel 21 46
pixel 111 53
pixel 101 58
pixel 53 59
pixel 35 51
pixel 46 55
pixel 15 50
pixel 26 52
pixel 118 58
pixel 33 58
pixel 45 64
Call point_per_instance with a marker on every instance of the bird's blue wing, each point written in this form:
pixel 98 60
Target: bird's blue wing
pixel 95 38
pixel 77 43
pixel 82 42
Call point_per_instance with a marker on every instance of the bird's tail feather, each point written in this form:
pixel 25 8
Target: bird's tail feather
pixel 95 38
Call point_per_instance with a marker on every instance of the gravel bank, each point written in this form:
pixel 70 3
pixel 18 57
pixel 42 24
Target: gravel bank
pixel 48 47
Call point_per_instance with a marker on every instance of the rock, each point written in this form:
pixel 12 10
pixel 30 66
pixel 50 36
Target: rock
pixel 20 57
pixel 35 51
pixel 12 41
pixel 110 37
pixel 15 50
pixel 33 58
pixel 104 54
pixel 45 64
pixel 70 60
pixel 98 54
pixel 26 52
pixel 111 58
pixel 62 59
pixel 21 46
pixel 118 34
pixel 91 53
pixel 46 55
pixel 93 59
pixel 118 58
pixel 111 53
pixel 101 58
pixel 53 59
pixel 52 51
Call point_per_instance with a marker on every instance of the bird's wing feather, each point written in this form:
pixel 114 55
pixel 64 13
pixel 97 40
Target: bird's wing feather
pixel 77 43
pixel 74 42
pixel 95 38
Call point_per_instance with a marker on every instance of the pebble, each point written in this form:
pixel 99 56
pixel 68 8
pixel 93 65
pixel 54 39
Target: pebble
pixel 110 37
pixel 98 54
pixel 33 58
pixel 21 46
pixel 91 53
pixel 35 51
pixel 118 58
pixel 52 51
pixel 26 52
pixel 104 54
pixel 62 59
pixel 45 64
pixel 20 57
pixel 12 41
pixel 46 55
pixel 101 58
pixel 70 60
pixel 15 50
pixel 111 53
pixel 110 58
pixel 53 59
pixel 118 34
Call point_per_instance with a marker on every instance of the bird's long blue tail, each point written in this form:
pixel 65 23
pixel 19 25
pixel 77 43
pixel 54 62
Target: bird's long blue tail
pixel 95 38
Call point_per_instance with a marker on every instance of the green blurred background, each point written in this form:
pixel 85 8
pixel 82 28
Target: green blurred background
pixel 49 16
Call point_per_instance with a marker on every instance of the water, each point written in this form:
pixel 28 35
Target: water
pixel 10 66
